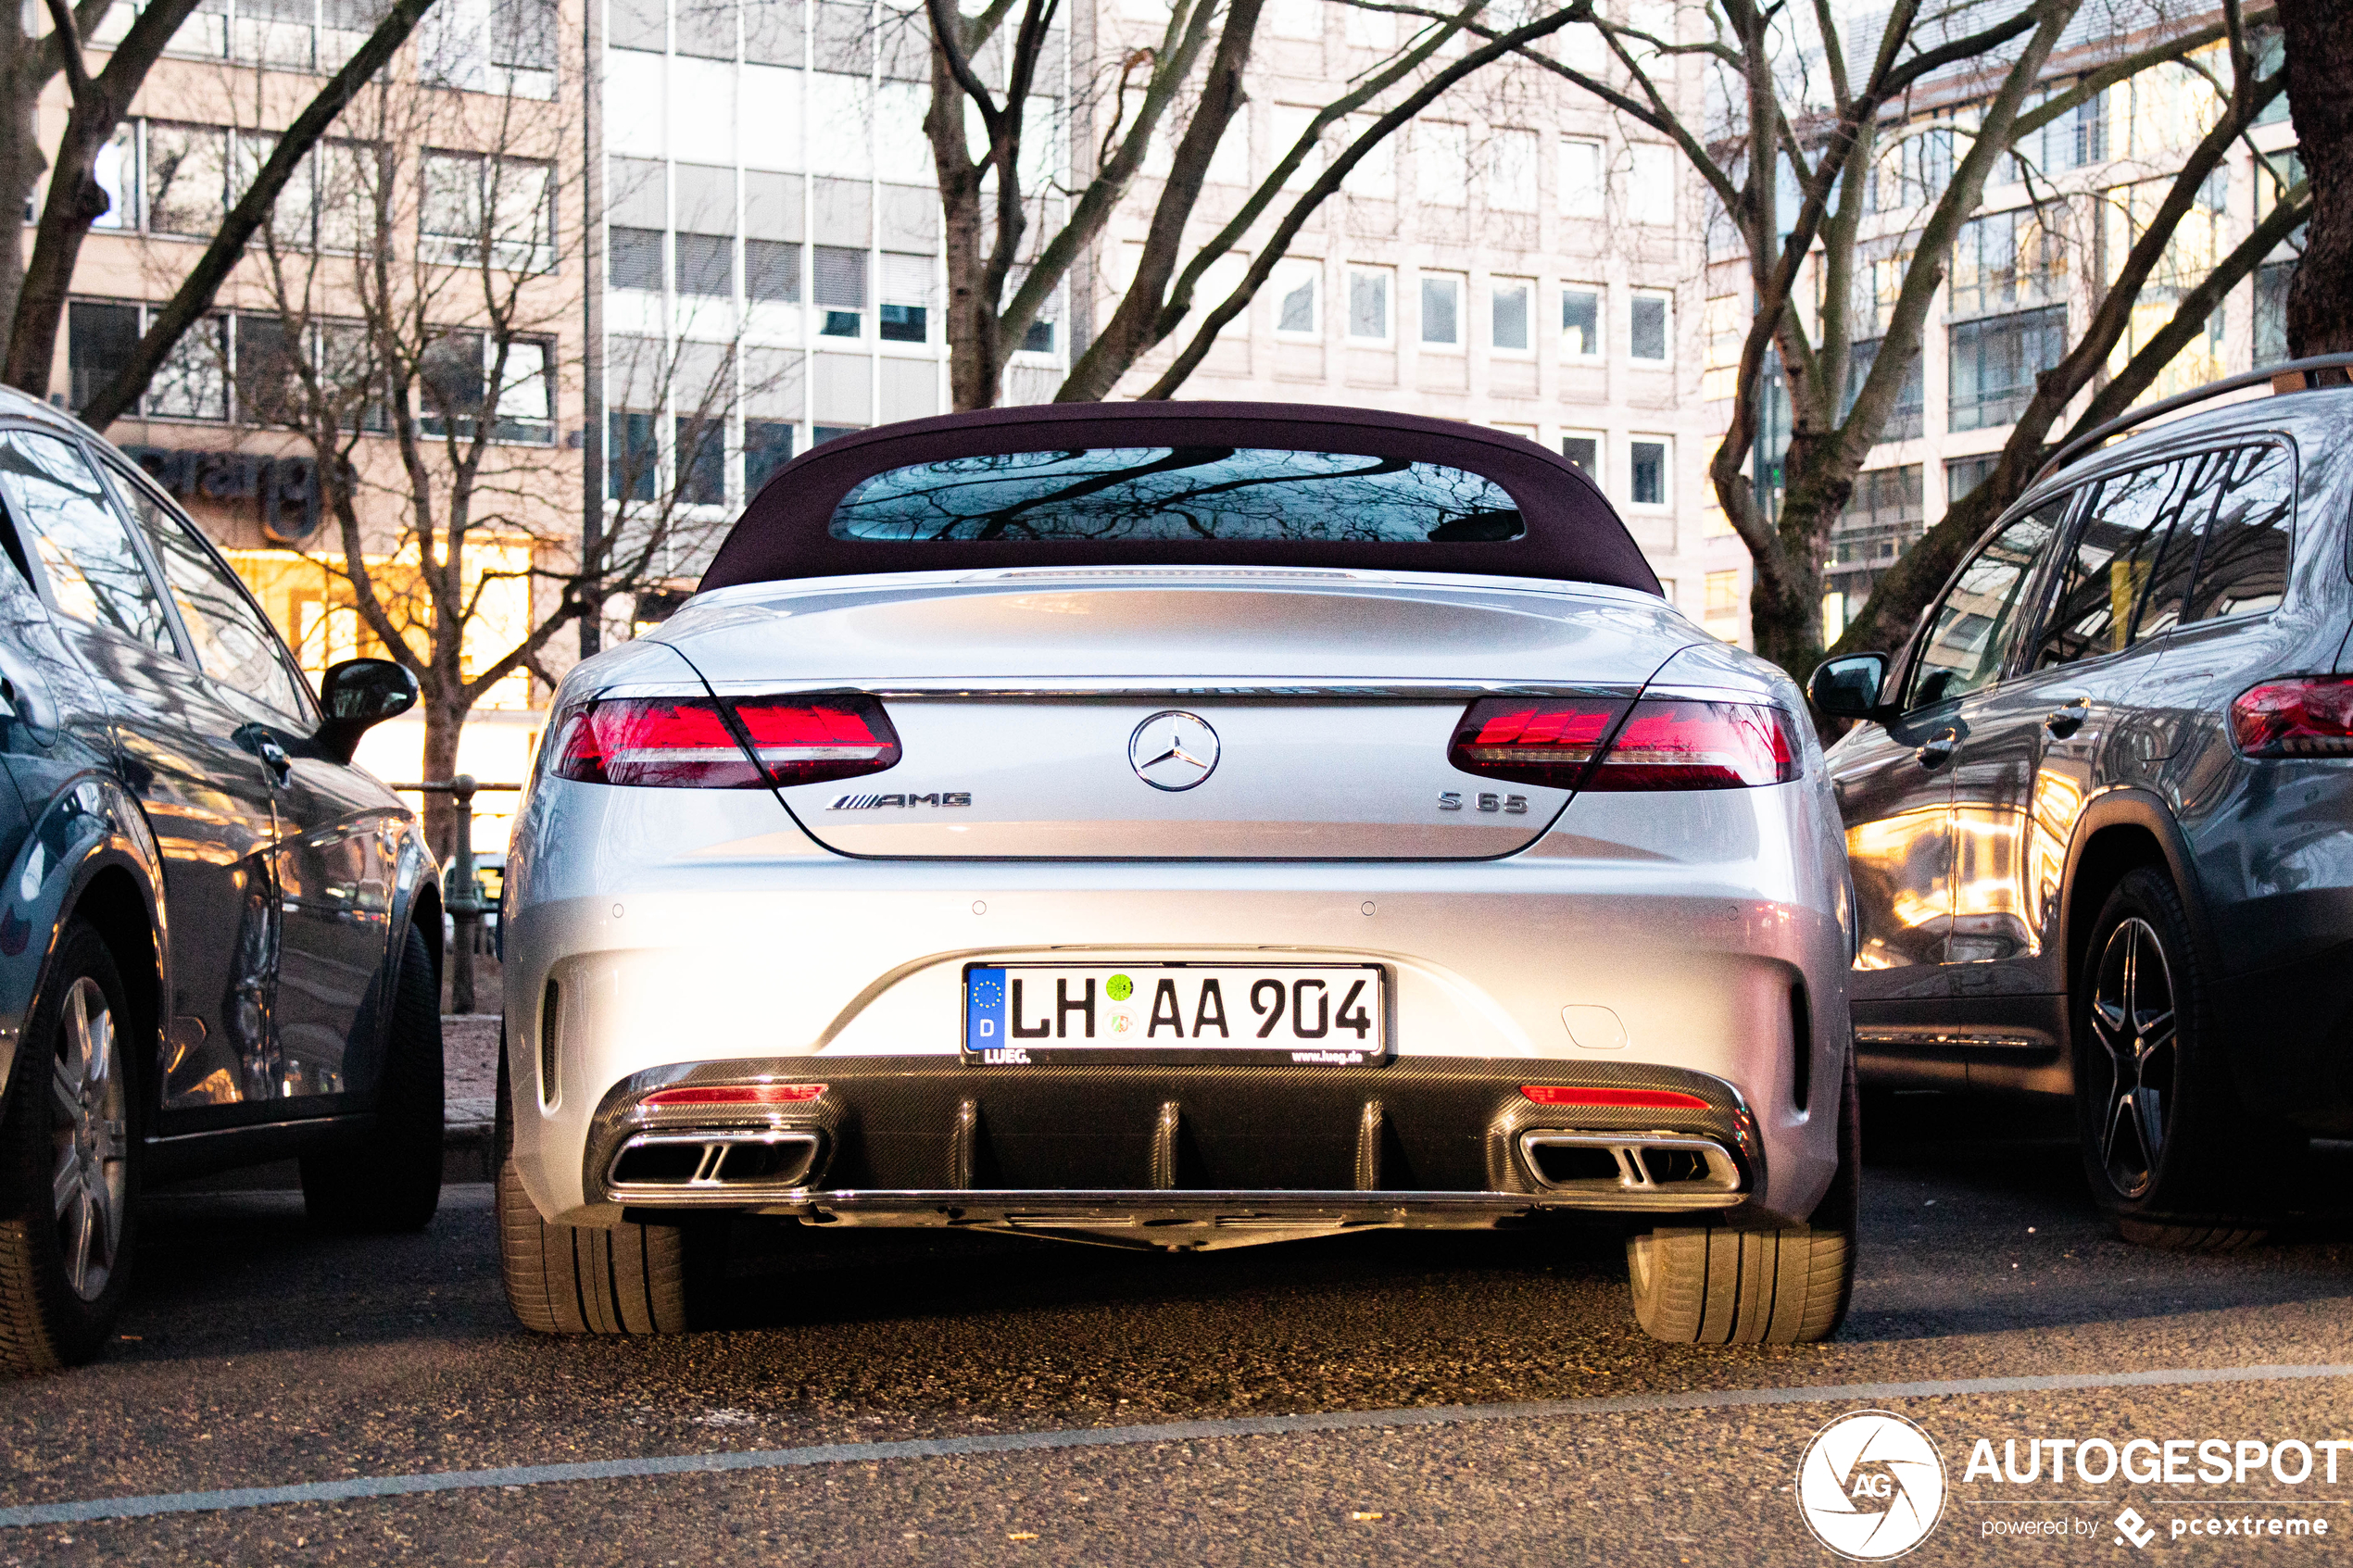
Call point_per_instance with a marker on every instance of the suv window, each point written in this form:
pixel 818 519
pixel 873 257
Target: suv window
pixel 94 572
pixel 2109 564
pixel 2243 569
pixel 233 644
pixel 1981 619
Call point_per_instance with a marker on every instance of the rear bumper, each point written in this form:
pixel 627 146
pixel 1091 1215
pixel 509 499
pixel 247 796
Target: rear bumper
pixel 1195 1149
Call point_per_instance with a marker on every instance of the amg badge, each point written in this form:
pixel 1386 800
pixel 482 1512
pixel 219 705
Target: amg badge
pixel 879 802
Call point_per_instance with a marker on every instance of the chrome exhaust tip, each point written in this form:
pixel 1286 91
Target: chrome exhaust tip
pixel 1646 1169
pixel 699 1161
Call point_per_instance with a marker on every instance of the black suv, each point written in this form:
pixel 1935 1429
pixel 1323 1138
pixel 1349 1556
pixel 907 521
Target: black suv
pixel 212 926
pixel 2100 810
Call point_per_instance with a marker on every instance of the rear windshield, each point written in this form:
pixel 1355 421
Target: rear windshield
pixel 1178 493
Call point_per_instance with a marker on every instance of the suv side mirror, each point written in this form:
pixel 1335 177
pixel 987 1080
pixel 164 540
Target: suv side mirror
pixel 360 694
pixel 1848 688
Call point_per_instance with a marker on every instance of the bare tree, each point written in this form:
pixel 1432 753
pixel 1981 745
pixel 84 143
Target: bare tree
pixel 33 292
pixel 1793 115
pixel 1007 230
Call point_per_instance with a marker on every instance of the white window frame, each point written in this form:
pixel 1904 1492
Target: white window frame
pixel 1584 193
pixel 1600 323
pixel 1497 286
pixel 1283 282
pixel 1650 179
pixel 1665 503
pixel 1601 453
pixel 1667 342
pixel 1387 276
pixel 1461 286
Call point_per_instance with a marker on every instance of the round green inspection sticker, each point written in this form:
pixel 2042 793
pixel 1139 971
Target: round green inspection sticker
pixel 1120 987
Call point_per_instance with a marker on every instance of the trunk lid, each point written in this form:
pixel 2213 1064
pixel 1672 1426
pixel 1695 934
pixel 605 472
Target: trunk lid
pixel 1201 714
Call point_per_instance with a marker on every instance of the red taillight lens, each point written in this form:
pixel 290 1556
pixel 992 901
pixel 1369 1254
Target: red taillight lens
pixel 1676 744
pixel 1551 741
pixel 687 743
pixel 1621 1100
pixel 1664 743
pixel 2307 716
pixel 738 1094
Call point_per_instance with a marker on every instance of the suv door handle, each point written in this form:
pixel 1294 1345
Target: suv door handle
pixel 2068 717
pixel 259 741
pixel 1939 750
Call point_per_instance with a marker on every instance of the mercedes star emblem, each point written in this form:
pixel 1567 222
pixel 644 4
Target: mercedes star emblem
pixel 1173 750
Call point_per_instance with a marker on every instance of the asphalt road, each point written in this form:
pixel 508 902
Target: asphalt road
pixel 257 1353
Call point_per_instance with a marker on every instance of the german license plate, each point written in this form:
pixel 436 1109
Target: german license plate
pixel 1290 1015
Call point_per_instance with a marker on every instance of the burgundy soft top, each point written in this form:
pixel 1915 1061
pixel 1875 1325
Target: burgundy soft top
pixel 1571 532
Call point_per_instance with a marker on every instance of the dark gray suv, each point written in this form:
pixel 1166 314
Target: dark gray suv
pixel 213 928
pixel 2099 813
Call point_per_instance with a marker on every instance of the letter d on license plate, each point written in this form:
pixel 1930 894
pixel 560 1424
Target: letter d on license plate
pixel 1289 1014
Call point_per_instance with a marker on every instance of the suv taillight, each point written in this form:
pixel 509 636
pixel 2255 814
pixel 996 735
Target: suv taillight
pixel 2303 716
pixel 688 742
pixel 1608 743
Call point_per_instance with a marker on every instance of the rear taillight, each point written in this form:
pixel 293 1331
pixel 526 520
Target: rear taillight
pixel 1596 743
pixel 2304 716
pixel 687 743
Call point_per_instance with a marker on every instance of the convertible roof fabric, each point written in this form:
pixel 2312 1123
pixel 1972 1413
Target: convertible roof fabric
pixel 1572 532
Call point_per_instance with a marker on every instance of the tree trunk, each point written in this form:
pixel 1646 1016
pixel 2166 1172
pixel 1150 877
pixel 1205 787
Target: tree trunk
pixel 443 720
pixel 21 156
pixel 2320 96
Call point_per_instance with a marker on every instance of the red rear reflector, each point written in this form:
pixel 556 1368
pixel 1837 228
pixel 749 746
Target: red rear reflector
pixel 737 1094
pixel 684 743
pixel 1529 740
pixel 2306 716
pixel 1635 1099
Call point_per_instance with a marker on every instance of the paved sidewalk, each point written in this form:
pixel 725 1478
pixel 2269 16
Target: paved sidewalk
pixel 470 1078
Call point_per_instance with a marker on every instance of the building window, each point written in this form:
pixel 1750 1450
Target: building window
pixel 634 259
pixel 2006 261
pixel 1651 197
pixel 1585 453
pixel 767 447
pixel 906 299
pixel 1368 304
pixel 193 382
pixel 1581 322
pixel 187 182
pixel 841 291
pixel 1580 179
pixel 1038 339
pixel 632 459
pixel 455 381
pixel 478 207
pixel 1510 169
pixel 1996 362
pixel 1507 301
pixel 1965 474
pixel 1295 279
pixel 827 432
pixel 1908 417
pixel 771 272
pixel 1442 311
pixel 1883 517
pixel 1647 333
pixel 1647 471
pixel 100 340
pixel 906 324
pixel 2271 279
pixel 1721 595
pixel 702 460
pixel 707 265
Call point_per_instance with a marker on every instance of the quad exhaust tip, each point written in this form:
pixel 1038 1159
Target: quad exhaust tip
pixel 699 1161
pixel 1646 1165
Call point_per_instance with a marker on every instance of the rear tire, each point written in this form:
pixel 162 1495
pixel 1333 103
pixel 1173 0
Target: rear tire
pixel 583 1279
pixel 2173 1157
pixel 71 1124
pixel 1722 1284
pixel 390 1180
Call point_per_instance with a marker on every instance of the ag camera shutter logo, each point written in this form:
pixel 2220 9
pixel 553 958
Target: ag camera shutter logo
pixel 1871 1486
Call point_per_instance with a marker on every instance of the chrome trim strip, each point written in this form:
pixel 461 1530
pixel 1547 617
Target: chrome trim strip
pixel 1049 1207
pixel 1720 1189
pixel 1115 690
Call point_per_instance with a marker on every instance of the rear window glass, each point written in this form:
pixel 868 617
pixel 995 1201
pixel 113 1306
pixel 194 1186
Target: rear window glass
pixel 1183 492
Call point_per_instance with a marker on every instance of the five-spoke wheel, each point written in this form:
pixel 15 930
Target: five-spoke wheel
pixel 90 1190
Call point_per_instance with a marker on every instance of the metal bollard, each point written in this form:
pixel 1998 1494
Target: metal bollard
pixel 462 893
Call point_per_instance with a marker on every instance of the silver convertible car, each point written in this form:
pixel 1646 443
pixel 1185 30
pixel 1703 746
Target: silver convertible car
pixel 1179 826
